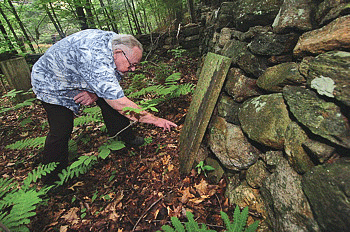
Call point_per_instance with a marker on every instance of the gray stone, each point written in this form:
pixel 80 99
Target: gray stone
pixel 328 10
pixel 241 56
pixel 249 13
pixel 265 119
pixel 244 196
pixel 271 44
pixel 297 156
pixel 336 12
pixel 228 108
pixel 215 175
pixel 224 37
pixel 294 14
pixel 287 207
pixel 322 118
pixel 272 159
pixel 319 150
pixel 333 36
pixel 239 86
pixel 276 77
pixel 256 174
pixel 230 146
pixel 328 189
pixel 225 15
pixel 329 75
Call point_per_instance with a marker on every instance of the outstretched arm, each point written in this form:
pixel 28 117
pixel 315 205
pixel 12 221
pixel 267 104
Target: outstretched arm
pixel 145 117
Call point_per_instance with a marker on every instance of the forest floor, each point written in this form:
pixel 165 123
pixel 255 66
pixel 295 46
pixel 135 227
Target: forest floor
pixel 133 189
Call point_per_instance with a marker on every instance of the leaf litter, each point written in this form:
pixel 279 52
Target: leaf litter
pixel 134 189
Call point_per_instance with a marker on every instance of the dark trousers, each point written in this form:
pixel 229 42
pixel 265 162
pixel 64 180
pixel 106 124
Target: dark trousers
pixel 61 125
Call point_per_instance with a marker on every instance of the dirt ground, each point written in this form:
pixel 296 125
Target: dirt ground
pixel 134 189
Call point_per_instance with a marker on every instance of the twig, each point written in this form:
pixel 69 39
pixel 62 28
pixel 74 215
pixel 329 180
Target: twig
pixel 114 136
pixel 148 209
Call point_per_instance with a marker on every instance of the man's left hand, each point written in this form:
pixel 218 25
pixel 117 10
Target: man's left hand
pixel 85 98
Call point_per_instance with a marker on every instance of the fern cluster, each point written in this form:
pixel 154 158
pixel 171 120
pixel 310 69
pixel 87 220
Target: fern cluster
pixel 238 224
pixel 18 202
pixel 170 89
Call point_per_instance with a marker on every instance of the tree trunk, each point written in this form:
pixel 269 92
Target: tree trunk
pixel 80 14
pixel 21 26
pixel 105 13
pixel 129 19
pixel 192 12
pixel 19 42
pixel 54 22
pixel 90 17
pixel 7 39
pixel 60 32
pixel 204 99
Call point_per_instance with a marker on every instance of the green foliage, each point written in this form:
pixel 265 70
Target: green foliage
pixel 239 221
pixel 177 52
pixel 203 168
pixel 85 162
pixel 93 114
pixel 12 95
pixel 190 226
pixel 170 89
pixel 18 202
pixel 238 224
pixel 37 173
pixel 27 143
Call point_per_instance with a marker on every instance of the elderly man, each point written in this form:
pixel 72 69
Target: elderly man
pixel 78 70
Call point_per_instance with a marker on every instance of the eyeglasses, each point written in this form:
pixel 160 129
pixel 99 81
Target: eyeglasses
pixel 131 65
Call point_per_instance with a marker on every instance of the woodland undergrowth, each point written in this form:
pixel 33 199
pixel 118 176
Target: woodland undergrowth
pixel 21 192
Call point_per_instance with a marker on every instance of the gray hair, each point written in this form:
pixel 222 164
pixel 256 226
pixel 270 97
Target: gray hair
pixel 125 42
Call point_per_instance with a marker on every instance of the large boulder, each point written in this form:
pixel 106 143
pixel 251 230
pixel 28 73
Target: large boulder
pixel 298 158
pixel 334 36
pixel 278 76
pixel 329 74
pixel 294 15
pixel 239 86
pixel 248 13
pixel 271 44
pixel 230 146
pixel 320 117
pixel 241 56
pixel 287 206
pixel 265 119
pixel 328 189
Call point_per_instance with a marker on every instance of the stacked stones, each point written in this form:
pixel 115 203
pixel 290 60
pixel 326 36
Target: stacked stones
pixel 281 130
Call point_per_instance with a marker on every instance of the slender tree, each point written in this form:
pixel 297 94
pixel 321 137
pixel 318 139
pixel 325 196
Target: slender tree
pixel 19 42
pixel 27 38
pixel 7 39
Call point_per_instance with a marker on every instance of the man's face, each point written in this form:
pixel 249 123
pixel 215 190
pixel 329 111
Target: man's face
pixel 126 61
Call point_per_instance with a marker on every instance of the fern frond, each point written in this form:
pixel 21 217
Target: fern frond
pixel 5 186
pixel 85 120
pixel 37 173
pixel 27 143
pixel 177 224
pixel 23 206
pixel 253 227
pixel 173 78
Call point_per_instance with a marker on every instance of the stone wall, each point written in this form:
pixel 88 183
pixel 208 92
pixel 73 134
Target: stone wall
pixel 280 131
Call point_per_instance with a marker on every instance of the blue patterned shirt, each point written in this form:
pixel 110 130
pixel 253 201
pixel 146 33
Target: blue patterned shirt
pixel 81 61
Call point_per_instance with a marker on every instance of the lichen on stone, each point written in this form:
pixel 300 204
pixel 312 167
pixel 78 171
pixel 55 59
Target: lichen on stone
pixel 323 85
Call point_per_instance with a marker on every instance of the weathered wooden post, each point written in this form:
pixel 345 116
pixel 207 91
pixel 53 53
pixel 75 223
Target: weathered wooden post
pixel 204 99
pixel 17 74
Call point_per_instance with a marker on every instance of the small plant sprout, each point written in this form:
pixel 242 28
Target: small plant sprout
pixel 201 167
